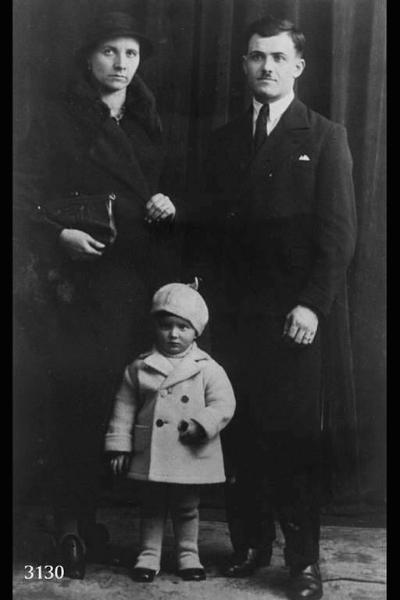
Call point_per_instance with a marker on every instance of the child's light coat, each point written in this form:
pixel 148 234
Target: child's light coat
pixel 154 397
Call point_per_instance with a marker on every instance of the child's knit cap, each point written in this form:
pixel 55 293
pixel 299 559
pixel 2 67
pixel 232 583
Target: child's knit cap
pixel 183 301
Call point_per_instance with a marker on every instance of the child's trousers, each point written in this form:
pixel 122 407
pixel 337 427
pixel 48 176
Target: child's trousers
pixel 182 502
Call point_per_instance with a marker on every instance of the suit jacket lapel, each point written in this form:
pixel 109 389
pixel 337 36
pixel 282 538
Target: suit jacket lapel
pixel 290 133
pixel 240 147
pixel 240 150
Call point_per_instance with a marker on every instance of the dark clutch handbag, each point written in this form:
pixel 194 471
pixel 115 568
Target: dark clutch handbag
pixel 93 214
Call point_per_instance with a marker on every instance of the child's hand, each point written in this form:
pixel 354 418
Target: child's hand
pixel 119 464
pixel 191 432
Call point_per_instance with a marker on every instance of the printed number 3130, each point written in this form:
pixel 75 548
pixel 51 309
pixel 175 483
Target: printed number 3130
pixel 45 572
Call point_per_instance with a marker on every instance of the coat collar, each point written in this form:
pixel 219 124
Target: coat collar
pixel 190 365
pixel 297 116
pixel 109 144
pixel 240 148
pixel 83 100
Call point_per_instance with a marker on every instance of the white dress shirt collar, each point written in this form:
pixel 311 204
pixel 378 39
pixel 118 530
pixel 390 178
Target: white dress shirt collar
pixel 276 110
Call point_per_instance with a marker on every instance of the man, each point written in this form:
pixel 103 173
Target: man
pixel 280 176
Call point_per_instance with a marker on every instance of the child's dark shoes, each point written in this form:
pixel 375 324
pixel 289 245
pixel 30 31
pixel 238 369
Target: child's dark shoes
pixel 192 574
pixel 143 575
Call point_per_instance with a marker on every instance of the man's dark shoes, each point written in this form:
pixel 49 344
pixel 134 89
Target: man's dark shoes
pixel 143 575
pixel 243 566
pixel 192 574
pixel 306 583
pixel 71 552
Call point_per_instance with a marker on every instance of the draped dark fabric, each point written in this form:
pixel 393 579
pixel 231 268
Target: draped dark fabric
pixel 197 78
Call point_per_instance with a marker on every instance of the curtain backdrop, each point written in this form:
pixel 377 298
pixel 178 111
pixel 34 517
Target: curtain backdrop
pixel 197 77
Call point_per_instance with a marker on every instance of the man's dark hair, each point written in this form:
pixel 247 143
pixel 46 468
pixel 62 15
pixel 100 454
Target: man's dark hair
pixel 268 26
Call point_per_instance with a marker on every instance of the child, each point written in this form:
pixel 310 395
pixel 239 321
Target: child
pixel 172 404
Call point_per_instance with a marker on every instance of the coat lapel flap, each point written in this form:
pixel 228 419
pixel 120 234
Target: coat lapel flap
pixel 290 133
pixel 111 151
pixel 159 363
pixel 189 366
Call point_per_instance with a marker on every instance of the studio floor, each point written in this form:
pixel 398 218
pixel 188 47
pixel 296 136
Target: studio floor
pixel 353 563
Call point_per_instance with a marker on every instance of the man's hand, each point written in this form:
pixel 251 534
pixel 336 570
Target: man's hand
pixel 119 464
pixel 159 208
pixel 80 245
pixel 191 432
pixel 301 325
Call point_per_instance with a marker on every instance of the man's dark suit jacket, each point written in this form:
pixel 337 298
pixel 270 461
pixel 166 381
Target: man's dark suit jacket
pixel 284 229
pixel 289 208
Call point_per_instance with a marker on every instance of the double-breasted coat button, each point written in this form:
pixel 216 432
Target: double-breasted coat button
pixel 159 422
pixel 184 399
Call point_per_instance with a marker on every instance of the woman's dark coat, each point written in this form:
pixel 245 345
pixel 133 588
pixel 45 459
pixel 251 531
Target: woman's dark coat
pixel 90 318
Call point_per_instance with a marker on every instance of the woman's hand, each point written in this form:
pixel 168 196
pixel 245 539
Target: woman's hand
pixel 80 245
pixel 119 464
pixel 159 208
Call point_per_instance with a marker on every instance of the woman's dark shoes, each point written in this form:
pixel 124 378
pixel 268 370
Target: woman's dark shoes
pixel 306 583
pixel 71 552
pixel 143 575
pixel 192 574
pixel 246 565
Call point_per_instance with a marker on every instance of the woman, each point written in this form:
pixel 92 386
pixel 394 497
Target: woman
pixel 102 138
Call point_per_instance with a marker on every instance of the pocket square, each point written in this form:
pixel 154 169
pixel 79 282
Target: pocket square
pixel 304 157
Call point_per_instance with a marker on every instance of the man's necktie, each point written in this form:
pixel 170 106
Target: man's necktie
pixel 261 126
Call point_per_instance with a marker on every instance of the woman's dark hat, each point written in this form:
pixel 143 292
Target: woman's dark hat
pixel 115 24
